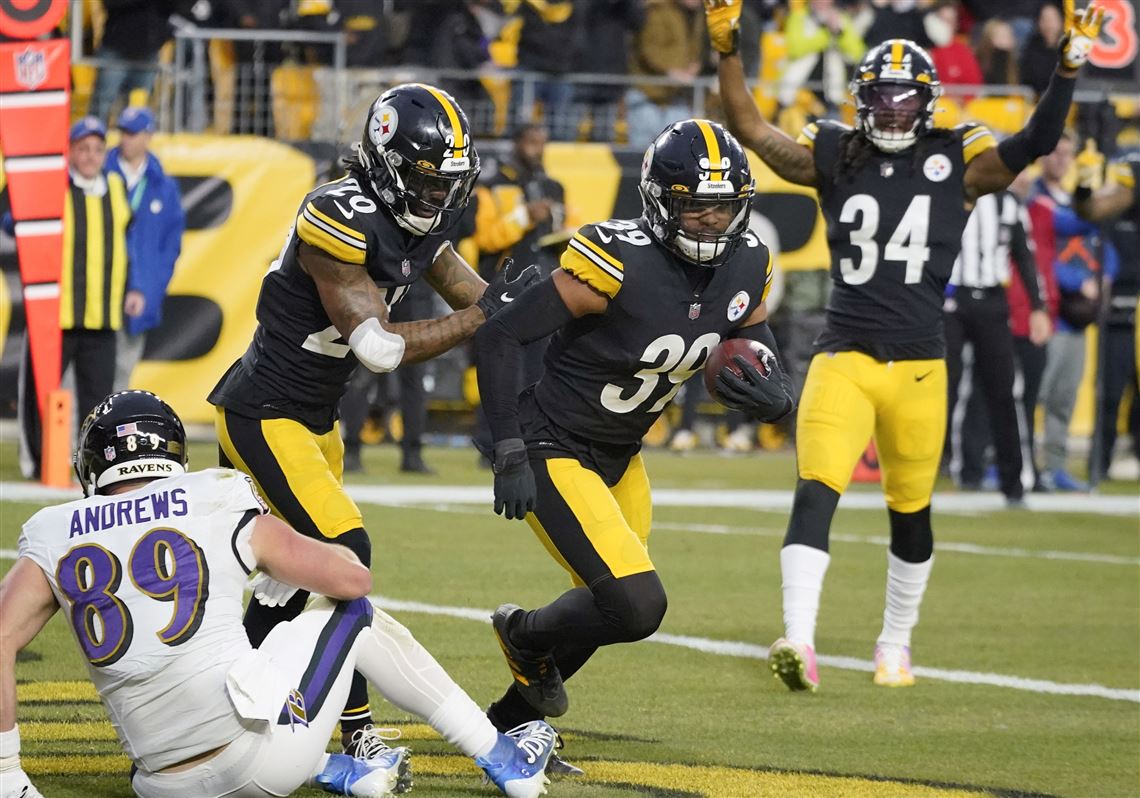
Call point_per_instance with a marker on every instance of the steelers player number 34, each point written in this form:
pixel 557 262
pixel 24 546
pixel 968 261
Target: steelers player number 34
pixel 906 245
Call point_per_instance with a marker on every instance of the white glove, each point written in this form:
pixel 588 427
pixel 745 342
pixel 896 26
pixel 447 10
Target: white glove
pixel 269 591
pixel 14 783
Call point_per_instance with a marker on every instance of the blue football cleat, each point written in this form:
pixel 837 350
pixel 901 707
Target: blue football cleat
pixel 517 763
pixel 385 774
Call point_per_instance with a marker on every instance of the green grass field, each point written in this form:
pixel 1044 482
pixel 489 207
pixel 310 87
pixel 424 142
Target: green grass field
pixel 666 718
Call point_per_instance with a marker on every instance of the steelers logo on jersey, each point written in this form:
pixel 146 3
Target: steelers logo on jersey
pixel 937 168
pixel 738 305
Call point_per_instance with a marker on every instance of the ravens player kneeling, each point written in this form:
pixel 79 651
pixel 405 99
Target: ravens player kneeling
pixel 635 309
pixel 896 194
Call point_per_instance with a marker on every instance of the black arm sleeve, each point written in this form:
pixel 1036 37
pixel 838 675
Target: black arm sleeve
pixel 536 313
pixel 1044 128
pixel 1021 249
pixel 763 333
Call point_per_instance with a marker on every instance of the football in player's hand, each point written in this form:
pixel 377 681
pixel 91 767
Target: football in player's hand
pixel 753 351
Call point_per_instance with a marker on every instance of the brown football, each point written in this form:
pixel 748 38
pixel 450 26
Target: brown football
pixel 752 351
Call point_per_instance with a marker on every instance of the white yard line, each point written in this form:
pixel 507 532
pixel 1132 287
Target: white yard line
pixel 770 500
pixel 732 648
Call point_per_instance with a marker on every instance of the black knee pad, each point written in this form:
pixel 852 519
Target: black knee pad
pixel 635 605
pixel 813 507
pixel 912 538
pixel 357 540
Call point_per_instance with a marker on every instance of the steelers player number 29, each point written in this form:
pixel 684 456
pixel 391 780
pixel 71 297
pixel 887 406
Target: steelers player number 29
pixel 164 565
pixel 676 364
pixel 907 244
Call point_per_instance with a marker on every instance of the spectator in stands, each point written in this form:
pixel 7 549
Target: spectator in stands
pixel 133 34
pixel 607 28
pixel 823 44
pixel 255 61
pixel 670 44
pixel 997 56
pixel 154 238
pixel 1039 58
pixel 906 19
pixel 1081 258
pixel 92 286
pixel 461 44
pixel 1018 13
pixel 955 60
pixel 547 44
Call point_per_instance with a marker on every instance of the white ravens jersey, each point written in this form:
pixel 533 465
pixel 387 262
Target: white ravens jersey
pixel 151 583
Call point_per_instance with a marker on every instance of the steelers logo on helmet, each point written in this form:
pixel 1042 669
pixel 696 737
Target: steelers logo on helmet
pixel 419 157
pixel 130 435
pixel 696 191
pixel 895 89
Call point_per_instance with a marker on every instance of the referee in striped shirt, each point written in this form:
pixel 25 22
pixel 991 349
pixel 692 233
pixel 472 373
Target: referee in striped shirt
pixel 977 313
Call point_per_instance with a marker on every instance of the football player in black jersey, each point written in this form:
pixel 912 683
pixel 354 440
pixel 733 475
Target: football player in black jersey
pixel 357 244
pixel 895 193
pixel 635 308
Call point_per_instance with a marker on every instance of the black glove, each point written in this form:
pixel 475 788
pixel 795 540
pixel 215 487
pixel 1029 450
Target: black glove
pixel 511 281
pixel 515 493
pixel 767 399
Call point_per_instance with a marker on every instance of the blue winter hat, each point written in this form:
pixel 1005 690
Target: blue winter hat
pixel 136 119
pixel 88 126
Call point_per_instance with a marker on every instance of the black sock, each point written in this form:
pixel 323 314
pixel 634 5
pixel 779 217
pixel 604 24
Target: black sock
pixel 357 713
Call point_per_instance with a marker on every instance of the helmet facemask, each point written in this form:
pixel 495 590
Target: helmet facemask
pixel 422 198
pixel 669 209
pixel 893 114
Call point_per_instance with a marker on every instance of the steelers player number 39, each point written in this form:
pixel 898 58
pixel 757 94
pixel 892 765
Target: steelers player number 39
pixel 676 364
pixel 906 245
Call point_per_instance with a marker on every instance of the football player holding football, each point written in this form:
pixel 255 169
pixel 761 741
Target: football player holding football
pixel 895 193
pixel 635 308
pixel 357 244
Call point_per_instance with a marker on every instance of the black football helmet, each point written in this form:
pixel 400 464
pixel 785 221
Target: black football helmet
pixel 129 435
pixel 419 157
pixel 895 89
pixel 694 165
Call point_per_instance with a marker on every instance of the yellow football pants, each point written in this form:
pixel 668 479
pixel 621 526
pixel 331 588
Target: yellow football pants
pixel 849 397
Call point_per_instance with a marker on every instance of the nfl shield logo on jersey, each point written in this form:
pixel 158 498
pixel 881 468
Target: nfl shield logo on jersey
pixel 31 68
pixel 694 311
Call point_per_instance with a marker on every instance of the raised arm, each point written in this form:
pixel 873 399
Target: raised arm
pixel 995 169
pixel 788 159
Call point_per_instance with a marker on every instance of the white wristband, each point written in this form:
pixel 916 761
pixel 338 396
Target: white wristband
pixel 375 347
pixel 10 748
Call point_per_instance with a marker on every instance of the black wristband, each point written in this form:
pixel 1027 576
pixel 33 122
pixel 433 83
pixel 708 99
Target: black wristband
pixel 1082 194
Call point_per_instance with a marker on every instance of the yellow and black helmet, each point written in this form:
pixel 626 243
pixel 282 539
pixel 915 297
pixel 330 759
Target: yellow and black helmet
pixel 692 165
pixel 895 89
pixel 419 157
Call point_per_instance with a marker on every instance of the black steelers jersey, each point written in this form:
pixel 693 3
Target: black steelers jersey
pixel 298 363
pixel 608 376
pixel 894 226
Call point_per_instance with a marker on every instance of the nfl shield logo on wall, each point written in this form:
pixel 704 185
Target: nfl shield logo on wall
pixel 31 68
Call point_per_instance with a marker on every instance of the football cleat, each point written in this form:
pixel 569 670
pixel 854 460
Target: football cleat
pixel 684 440
pixel 536 675
pixel 385 774
pixel 557 766
pixel 517 763
pixel 892 666
pixel 794 665
pixel 371 744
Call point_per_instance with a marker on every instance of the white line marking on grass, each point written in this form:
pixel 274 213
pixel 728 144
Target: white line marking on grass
pixel 731 648
pixel 771 500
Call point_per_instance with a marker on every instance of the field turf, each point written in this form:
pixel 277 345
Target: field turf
pixel 1024 609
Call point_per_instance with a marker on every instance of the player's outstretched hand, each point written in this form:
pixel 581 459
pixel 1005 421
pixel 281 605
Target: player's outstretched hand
pixel 511 281
pixel 762 397
pixel 14 783
pixel 515 492
pixel 722 18
pixel 1081 30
